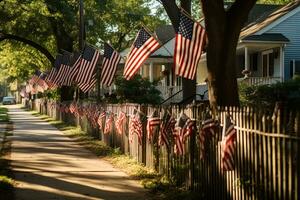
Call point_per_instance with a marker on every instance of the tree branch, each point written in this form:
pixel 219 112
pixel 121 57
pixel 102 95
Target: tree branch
pixel 172 11
pixel 5 36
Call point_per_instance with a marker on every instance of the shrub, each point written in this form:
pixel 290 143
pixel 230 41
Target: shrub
pixel 266 96
pixel 137 90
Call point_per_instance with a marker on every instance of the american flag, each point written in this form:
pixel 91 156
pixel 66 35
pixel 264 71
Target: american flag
pixel 110 62
pixel 75 66
pixel 85 87
pixel 166 129
pixel 101 119
pixel 152 125
pixel 108 124
pixel 120 122
pixel 42 83
pixel 51 76
pixel 208 130
pixel 73 107
pixel 143 46
pixel 63 70
pixel 135 127
pixel 184 128
pixel 228 145
pixel 189 43
pixel 88 64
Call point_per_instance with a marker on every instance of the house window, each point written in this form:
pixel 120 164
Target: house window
pixel 253 61
pixel 294 67
pixel 268 63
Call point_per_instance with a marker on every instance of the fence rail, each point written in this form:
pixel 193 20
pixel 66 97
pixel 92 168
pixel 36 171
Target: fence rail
pixel 266 159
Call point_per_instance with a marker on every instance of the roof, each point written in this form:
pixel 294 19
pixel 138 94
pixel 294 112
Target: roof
pixel 266 37
pixel 266 20
pixel 165 33
pixel 166 50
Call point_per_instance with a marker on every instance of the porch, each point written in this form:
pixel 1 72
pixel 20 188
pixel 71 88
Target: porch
pixel 260 59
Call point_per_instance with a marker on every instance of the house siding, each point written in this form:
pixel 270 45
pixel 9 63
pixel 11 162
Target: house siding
pixel 290 28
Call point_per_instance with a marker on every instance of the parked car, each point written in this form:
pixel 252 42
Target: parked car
pixel 8 100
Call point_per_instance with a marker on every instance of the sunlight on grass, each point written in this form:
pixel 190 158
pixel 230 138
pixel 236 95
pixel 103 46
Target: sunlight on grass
pixel 149 178
pixel 6 183
pixel 3 114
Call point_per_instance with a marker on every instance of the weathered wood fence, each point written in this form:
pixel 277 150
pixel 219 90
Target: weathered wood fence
pixel 267 160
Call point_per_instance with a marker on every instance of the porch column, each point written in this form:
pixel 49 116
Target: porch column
pixel 246 59
pixel 151 72
pixel 282 63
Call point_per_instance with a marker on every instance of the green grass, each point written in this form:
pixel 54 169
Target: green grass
pixel 3 114
pixel 160 187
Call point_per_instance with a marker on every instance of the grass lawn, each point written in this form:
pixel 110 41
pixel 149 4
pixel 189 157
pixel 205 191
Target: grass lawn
pixel 6 181
pixel 3 114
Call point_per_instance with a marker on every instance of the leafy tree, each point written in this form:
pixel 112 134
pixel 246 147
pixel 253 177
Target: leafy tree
pixel 137 90
pixel 47 26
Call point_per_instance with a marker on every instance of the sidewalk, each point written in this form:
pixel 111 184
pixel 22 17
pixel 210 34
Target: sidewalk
pixel 49 165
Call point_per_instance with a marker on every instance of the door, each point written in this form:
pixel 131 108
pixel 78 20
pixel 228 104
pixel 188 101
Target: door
pixel 268 63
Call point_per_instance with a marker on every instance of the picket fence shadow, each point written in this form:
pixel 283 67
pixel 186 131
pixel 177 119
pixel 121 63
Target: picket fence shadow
pixel 267 160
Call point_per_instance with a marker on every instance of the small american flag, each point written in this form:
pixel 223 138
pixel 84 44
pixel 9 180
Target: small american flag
pixel 189 42
pixel 208 130
pixel 143 46
pixel 73 107
pixel 120 122
pixel 88 64
pixel 228 145
pixel 152 125
pixel 135 127
pixel 110 62
pixel 101 119
pixel 108 124
pixel 184 128
pixel 166 129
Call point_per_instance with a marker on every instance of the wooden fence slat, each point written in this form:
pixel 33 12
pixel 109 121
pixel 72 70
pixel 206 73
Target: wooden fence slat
pixel 266 159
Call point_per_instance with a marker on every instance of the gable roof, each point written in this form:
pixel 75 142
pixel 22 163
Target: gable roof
pixel 266 37
pixel 267 20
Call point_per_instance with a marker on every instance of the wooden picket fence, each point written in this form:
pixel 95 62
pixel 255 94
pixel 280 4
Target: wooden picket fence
pixel 267 160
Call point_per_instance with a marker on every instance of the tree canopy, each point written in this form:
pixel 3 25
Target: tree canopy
pixel 53 25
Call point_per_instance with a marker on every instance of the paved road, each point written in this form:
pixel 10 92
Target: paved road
pixel 48 165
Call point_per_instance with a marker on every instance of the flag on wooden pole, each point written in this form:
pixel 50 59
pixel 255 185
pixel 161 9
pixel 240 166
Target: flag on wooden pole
pixel 75 65
pixel 189 43
pixel 152 124
pixel 166 129
pixel 120 122
pixel 110 62
pixel 228 145
pixel 144 45
pixel 63 71
pixel 88 64
pixel 208 130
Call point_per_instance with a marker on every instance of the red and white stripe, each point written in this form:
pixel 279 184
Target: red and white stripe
pixel 228 148
pixel 120 122
pixel 187 53
pixel 152 124
pixel 87 69
pixel 137 56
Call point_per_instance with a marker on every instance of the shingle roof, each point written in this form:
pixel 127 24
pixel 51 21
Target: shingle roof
pixel 266 37
pixel 268 19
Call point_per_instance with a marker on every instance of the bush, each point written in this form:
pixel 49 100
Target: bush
pixel 266 96
pixel 137 90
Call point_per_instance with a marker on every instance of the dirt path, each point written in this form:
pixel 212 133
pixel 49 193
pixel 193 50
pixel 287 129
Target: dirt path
pixel 49 165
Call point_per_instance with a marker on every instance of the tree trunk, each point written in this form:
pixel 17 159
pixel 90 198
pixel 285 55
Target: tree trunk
pixel 223 28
